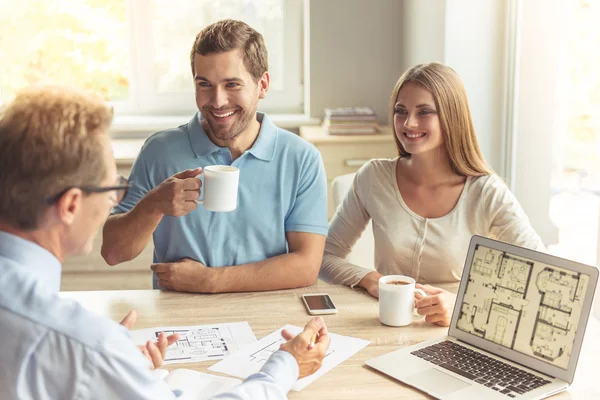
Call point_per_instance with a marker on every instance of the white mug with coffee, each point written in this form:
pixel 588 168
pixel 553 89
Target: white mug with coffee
pixel 220 188
pixel 396 299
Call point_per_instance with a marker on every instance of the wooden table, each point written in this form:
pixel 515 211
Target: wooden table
pixel 266 312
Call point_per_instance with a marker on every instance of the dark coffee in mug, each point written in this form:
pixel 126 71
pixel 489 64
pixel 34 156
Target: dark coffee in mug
pixel 398 283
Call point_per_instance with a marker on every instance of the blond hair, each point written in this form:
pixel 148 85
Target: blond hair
pixel 48 142
pixel 452 106
pixel 227 35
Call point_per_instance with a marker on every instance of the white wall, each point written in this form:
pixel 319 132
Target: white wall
pixel 475 42
pixel 355 54
pixel 423 31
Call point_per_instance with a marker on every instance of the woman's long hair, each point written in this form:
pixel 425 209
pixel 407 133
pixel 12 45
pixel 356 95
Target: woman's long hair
pixel 453 110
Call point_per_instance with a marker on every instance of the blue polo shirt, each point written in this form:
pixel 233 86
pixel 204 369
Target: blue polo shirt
pixel 282 189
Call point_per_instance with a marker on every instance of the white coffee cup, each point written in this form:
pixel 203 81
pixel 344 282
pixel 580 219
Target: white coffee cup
pixel 396 301
pixel 220 188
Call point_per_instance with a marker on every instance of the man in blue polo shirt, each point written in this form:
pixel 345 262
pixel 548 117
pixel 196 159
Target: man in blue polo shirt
pixel 276 236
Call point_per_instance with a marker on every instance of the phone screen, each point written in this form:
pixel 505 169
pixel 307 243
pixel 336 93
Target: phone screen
pixel 319 302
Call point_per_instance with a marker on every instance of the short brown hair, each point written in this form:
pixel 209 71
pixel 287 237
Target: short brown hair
pixel 48 142
pixel 452 106
pixel 229 34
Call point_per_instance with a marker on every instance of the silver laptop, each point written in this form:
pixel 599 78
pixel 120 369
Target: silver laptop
pixel 516 329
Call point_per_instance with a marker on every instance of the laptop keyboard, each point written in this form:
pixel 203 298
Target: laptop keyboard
pixel 478 367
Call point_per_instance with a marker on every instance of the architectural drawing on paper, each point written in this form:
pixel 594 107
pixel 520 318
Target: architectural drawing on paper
pixel 261 356
pixel 201 342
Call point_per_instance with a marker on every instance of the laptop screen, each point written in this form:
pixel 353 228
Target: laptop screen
pixel 525 305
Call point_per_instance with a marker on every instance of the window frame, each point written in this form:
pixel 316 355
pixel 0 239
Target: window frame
pixel 143 100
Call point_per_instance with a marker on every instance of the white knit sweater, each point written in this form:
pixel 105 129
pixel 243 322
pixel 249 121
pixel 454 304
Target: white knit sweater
pixel 430 250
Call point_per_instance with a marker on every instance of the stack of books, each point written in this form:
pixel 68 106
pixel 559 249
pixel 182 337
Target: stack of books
pixel 350 121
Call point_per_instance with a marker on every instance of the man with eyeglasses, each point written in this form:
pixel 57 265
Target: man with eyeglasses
pixel 57 180
pixel 120 189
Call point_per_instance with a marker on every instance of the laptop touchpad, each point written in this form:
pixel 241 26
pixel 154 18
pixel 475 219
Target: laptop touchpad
pixel 437 381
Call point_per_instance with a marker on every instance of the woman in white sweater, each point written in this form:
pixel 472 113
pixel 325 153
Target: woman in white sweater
pixel 427 203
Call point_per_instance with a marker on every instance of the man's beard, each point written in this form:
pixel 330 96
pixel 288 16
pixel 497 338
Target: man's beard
pixel 242 122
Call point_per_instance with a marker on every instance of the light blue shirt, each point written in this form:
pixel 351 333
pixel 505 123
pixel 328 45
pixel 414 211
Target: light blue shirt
pixel 282 188
pixel 54 349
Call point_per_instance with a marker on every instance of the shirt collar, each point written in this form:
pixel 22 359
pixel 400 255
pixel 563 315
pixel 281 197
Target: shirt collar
pixel 263 148
pixel 36 261
pixel 266 143
pixel 201 144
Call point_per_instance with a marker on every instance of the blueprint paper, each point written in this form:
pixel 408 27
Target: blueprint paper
pixel 200 342
pixel 251 358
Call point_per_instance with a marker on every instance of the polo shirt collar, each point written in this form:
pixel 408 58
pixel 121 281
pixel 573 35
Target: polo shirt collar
pixel 263 148
pixel 201 144
pixel 266 142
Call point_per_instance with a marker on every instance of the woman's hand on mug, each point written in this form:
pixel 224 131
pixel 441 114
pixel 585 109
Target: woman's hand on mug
pixel 436 306
pixel 370 282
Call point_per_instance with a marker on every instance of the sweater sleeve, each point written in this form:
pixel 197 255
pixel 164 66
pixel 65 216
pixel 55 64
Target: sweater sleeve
pixel 345 229
pixel 507 220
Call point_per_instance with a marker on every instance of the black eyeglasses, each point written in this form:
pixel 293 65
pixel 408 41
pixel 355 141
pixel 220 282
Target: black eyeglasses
pixel 121 188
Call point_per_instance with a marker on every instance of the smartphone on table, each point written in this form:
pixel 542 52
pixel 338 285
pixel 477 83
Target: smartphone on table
pixel 319 304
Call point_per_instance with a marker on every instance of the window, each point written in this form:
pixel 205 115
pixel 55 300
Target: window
pixel 136 52
pixel 575 202
pixel 557 146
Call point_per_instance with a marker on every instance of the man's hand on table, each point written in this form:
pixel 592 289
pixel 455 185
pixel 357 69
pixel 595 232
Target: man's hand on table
pixel 154 351
pixel 309 355
pixel 185 275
